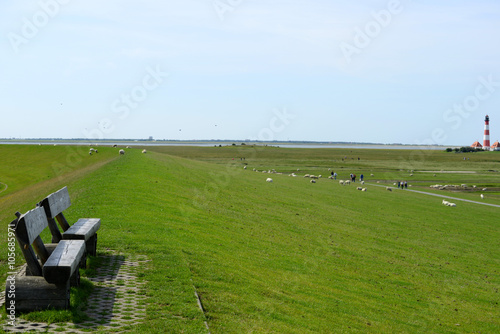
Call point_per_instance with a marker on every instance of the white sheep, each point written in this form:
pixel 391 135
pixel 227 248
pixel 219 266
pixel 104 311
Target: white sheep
pixel 452 204
pixel 244 167
pixel 388 188
pixel 364 189
pixel 269 179
pixel 121 152
pixel 347 182
pixel 362 182
pixel 372 175
pixel 482 196
pixel 144 151
pixel 341 182
pixel 313 181
pixel 445 202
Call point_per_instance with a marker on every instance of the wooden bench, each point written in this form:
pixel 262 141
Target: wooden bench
pixel 45 280
pixel 84 229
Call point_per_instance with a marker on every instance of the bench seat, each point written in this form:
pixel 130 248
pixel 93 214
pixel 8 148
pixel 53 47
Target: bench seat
pixel 64 261
pixel 83 229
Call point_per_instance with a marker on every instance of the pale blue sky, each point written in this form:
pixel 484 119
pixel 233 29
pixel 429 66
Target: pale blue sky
pixel 396 71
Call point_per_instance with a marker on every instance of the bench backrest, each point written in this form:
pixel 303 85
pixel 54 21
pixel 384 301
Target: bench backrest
pixel 54 205
pixel 28 229
pixel 31 224
pixel 56 202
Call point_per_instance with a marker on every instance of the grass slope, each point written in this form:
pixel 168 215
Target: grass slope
pixel 290 256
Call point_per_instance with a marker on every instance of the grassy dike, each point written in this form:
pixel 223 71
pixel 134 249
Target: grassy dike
pixel 287 256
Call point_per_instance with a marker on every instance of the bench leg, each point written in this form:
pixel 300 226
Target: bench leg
pixel 91 245
pixel 83 261
pixel 75 278
pixel 34 293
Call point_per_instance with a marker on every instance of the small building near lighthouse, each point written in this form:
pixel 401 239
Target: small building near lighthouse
pixel 495 146
pixel 477 145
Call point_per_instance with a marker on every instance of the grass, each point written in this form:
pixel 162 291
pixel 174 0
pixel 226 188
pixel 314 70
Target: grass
pixel 289 256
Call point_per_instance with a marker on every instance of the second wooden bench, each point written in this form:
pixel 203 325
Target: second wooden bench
pixel 84 229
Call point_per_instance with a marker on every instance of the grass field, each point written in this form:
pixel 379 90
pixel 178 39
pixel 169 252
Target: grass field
pixel 288 256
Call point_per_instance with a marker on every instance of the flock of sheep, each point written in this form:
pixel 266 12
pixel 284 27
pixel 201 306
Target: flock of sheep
pixel 348 182
pixel 121 151
pixel 456 187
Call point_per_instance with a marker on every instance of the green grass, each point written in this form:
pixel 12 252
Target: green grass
pixel 289 256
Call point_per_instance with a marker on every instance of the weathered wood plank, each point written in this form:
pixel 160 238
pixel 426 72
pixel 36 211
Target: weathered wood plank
pixel 30 225
pixel 40 249
pixel 83 229
pixel 62 221
pixel 54 230
pixel 34 293
pixel 57 202
pixel 63 261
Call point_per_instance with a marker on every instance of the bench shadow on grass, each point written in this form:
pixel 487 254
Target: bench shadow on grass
pixel 92 303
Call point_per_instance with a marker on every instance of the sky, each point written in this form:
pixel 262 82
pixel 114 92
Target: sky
pixel 397 71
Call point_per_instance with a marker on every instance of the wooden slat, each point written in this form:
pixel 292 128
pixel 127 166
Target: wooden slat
pixel 62 221
pixel 63 261
pixel 57 202
pixel 83 229
pixel 54 230
pixel 30 225
pixel 40 249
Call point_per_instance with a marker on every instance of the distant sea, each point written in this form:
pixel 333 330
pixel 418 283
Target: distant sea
pixel 224 143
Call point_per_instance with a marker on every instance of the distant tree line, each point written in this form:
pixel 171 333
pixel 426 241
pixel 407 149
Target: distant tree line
pixel 464 149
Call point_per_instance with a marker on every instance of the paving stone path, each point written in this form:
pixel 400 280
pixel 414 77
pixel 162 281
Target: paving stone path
pixel 116 304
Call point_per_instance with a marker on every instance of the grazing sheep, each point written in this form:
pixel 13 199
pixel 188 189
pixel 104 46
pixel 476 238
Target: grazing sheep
pixel 244 167
pixel 362 182
pixel 347 182
pixel 364 189
pixel 484 189
pixel 341 182
pixel 269 179
pixel 306 175
pixel 411 174
pixel 372 175
pixel 319 176
pixel 115 145
pixel 445 202
pixel 144 151
pixel 121 152
pixel 452 204
pixel 388 188
pixel 359 188
pixel 313 181
pixel 482 196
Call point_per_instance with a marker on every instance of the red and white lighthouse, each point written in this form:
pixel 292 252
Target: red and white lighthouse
pixel 486 141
